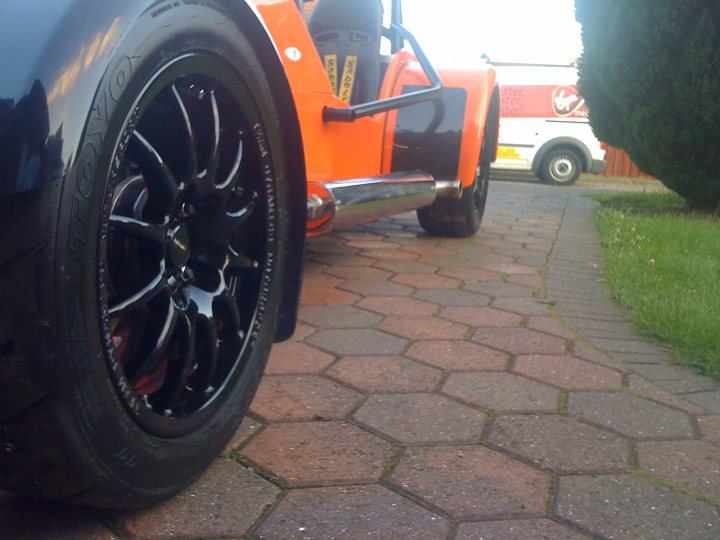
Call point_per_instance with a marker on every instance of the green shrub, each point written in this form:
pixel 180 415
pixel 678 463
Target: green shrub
pixel 650 74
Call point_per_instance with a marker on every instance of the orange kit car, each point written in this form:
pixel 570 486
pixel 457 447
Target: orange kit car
pixel 384 134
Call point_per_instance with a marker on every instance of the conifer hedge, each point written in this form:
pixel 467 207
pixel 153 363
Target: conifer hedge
pixel 650 73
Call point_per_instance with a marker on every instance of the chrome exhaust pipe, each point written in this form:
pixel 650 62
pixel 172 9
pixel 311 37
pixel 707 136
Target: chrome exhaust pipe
pixel 351 202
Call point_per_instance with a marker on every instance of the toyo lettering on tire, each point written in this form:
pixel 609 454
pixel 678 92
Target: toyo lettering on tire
pixel 163 279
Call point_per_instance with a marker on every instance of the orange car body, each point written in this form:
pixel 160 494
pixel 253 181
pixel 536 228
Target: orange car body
pixel 367 147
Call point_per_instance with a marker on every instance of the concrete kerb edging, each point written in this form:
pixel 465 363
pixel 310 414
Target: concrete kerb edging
pixel 574 282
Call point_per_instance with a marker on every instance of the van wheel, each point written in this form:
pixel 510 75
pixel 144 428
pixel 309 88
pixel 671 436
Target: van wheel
pixel 160 292
pixel 561 167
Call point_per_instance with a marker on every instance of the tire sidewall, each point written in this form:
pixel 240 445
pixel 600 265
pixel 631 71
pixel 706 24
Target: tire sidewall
pixel 99 428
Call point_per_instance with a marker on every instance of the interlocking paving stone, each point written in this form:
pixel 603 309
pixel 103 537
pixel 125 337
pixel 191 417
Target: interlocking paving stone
pixel 549 325
pixel 568 372
pixel 326 297
pixel 408 267
pixel 459 356
pixel 586 351
pixel 509 268
pixel 292 357
pixel 520 341
pixel 627 346
pixel 429 249
pixel 226 501
pixel 481 316
pixel 470 274
pixel 391 305
pixel 385 374
pixel 502 392
pixel 452 297
pixel 387 255
pixel 350 513
pixel 626 506
pixel 649 390
pixel 710 401
pixel 519 529
pixel 379 243
pixel 498 289
pixel 694 465
pixel 450 262
pixel 680 374
pixel 524 306
pixel 320 453
pixel 472 482
pixel 22 519
pixel 366 287
pixel 630 415
pixel 357 342
pixel 358 272
pixel 247 429
pixel 320 281
pixel 423 328
pixel 338 317
pixel 343 259
pixel 710 427
pixel 302 397
pixel 421 418
pixel 427 281
pixel 560 444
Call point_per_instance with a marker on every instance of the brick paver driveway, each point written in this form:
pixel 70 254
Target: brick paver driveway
pixel 474 388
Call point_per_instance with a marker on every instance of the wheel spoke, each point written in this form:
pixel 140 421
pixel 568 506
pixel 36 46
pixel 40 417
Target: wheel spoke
pixel 137 229
pixel 143 296
pixel 237 262
pixel 242 215
pixel 215 150
pixel 177 375
pixel 157 355
pixel 229 315
pixel 232 179
pixel 189 133
pixel 158 177
pixel 203 376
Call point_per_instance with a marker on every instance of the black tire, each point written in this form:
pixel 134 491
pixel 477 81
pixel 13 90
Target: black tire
pixel 458 217
pixel 561 167
pixel 158 296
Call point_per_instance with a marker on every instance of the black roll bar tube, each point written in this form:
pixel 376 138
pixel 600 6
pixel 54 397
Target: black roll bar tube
pixel 350 114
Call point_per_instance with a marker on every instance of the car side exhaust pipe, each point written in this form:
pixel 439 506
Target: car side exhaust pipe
pixel 351 202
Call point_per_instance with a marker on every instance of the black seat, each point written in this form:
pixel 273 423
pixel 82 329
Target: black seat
pixel 347 35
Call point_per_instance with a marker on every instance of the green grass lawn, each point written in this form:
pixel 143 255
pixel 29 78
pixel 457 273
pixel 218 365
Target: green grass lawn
pixel 662 264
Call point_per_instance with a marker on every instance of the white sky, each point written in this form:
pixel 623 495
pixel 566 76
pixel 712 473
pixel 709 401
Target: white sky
pixel 531 31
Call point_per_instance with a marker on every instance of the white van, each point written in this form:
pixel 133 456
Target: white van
pixel 544 124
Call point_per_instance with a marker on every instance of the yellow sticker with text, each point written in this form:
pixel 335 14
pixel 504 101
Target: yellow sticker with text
pixel 348 78
pixel 332 71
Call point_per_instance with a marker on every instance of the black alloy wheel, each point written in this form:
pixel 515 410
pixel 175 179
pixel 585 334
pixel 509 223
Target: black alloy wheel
pixel 181 268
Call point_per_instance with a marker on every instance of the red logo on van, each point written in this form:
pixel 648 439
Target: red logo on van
pixel 566 101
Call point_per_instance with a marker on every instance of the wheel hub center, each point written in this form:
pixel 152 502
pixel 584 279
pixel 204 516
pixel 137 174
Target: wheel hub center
pixel 179 247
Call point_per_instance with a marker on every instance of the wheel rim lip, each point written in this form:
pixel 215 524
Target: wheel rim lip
pixel 153 422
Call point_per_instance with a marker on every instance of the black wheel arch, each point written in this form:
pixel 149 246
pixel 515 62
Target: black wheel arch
pixel 563 142
pixel 245 15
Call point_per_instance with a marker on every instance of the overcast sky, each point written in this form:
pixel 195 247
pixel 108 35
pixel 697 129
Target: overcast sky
pixel 533 31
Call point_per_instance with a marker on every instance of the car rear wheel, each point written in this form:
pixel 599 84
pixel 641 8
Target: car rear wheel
pixel 163 286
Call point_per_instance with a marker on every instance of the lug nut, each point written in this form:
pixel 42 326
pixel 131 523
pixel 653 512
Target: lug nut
pixel 188 274
pixel 196 91
pixel 187 210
